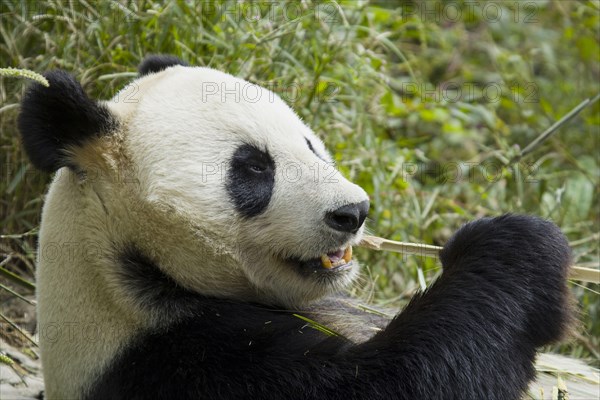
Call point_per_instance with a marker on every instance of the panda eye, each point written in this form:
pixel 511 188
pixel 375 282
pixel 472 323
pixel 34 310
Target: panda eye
pixel 252 160
pixel 257 168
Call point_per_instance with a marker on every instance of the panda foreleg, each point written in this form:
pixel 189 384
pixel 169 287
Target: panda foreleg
pixel 471 335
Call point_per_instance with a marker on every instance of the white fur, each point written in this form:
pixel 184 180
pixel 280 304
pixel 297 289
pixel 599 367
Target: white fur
pixel 159 182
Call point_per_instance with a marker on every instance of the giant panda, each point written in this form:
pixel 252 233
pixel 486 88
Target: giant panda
pixel 186 240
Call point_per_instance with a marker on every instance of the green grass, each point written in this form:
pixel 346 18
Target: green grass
pixel 368 77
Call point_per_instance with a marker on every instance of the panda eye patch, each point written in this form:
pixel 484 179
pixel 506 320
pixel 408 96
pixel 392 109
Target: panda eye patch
pixel 250 180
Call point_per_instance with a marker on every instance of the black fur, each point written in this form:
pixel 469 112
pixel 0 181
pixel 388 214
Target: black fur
pixel 54 118
pixel 157 62
pixel 151 288
pixel 250 180
pixel 311 148
pixel 471 335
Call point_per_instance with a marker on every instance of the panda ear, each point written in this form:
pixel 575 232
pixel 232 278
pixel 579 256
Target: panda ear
pixel 158 62
pixel 55 120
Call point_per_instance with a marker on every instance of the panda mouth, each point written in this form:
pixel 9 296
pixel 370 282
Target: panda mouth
pixel 337 260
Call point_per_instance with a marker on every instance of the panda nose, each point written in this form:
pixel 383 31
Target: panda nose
pixel 348 218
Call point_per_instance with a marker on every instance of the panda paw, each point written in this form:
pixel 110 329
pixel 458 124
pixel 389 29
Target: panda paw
pixel 525 257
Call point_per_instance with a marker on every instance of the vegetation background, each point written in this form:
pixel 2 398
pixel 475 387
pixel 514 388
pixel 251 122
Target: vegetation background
pixel 424 104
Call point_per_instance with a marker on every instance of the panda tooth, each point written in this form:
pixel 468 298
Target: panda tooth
pixel 326 262
pixel 347 254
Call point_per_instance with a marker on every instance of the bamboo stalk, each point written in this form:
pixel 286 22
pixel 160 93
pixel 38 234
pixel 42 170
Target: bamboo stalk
pixel 425 250
pixel 585 274
pixel 20 296
pixel 377 243
pixel 16 327
pixel 12 276
pixel 555 127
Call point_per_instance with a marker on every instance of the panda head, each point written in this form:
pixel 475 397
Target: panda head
pixel 214 179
